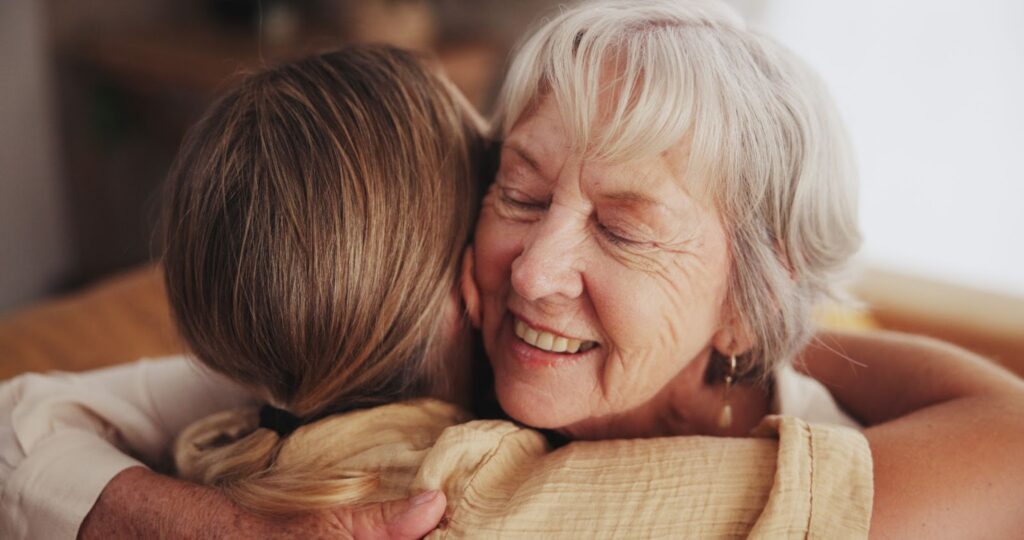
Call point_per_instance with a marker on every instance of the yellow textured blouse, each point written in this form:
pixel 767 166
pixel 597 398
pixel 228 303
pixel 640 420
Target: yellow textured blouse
pixel 791 479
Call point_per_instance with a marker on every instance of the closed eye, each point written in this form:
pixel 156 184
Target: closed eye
pixel 520 201
pixel 615 237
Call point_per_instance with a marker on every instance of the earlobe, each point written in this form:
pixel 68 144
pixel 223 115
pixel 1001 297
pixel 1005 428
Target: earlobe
pixel 733 338
pixel 469 290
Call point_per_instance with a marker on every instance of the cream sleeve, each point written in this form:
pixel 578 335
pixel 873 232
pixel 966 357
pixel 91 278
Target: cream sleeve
pixel 63 436
pixel 791 479
pixel 794 480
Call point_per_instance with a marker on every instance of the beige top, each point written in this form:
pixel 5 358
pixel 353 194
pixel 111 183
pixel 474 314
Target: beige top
pixel 791 480
pixel 63 436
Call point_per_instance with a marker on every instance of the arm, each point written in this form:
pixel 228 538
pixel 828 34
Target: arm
pixel 139 503
pixel 64 436
pixel 64 468
pixel 946 432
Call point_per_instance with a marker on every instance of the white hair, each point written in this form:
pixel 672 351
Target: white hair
pixel 634 78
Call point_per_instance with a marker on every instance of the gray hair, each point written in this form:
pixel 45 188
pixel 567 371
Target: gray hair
pixel 636 77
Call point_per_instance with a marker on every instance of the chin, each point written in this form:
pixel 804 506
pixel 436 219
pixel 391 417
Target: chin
pixel 525 406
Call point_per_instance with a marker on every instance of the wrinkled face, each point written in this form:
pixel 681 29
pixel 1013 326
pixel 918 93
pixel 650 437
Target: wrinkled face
pixel 599 282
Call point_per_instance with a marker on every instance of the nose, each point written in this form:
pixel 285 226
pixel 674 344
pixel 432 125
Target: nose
pixel 547 268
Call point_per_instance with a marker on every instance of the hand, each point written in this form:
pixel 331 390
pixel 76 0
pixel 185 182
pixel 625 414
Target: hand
pixel 140 503
pixel 395 520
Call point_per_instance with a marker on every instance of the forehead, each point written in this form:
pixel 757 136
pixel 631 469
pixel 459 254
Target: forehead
pixel 542 138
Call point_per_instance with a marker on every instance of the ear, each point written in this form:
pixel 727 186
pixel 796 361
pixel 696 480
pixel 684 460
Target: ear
pixel 470 292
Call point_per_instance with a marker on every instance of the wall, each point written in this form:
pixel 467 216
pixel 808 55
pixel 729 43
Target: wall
pixel 33 248
pixel 931 91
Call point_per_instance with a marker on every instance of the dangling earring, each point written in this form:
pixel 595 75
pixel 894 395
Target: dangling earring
pixel 725 415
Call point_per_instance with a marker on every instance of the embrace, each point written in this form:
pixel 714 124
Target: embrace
pixel 592 317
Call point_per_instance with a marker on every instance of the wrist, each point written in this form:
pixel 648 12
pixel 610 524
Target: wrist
pixel 141 503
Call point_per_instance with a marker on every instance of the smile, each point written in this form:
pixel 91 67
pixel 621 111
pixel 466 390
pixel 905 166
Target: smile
pixel 546 341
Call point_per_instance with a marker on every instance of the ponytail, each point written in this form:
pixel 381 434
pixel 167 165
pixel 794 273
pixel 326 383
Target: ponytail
pixel 230 452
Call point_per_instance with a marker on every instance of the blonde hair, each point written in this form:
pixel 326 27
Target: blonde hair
pixel 634 78
pixel 315 220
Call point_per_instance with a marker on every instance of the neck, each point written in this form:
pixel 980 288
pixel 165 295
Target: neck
pixel 687 405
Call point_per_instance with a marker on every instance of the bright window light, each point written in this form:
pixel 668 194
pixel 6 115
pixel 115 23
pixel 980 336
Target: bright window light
pixel 933 93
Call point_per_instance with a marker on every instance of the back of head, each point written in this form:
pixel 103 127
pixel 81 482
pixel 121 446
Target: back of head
pixel 634 78
pixel 313 228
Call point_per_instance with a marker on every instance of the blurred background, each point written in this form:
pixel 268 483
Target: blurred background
pixel 95 96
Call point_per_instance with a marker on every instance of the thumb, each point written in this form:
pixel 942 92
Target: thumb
pixel 400 519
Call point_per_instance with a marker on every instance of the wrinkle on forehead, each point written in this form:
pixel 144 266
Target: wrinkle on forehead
pixel 543 133
pixel 666 178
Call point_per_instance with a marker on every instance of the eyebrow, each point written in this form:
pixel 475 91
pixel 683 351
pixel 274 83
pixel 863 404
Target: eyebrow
pixel 626 196
pixel 633 197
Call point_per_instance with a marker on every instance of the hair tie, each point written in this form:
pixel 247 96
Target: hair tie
pixel 279 420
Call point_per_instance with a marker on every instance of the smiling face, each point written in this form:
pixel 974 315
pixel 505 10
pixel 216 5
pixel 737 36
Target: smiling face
pixel 617 259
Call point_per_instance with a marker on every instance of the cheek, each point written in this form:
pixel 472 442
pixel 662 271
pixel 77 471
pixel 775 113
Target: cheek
pixel 497 245
pixel 622 303
pixel 646 342
pixel 656 322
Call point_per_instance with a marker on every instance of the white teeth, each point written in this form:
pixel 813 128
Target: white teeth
pixel 547 341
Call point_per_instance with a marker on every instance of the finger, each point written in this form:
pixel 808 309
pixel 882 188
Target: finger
pixel 401 519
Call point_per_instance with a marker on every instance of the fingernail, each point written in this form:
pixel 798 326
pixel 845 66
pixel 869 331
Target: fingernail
pixel 424 498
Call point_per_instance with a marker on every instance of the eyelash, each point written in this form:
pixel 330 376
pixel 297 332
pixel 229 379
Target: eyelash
pixel 614 238
pixel 526 206
pixel 530 206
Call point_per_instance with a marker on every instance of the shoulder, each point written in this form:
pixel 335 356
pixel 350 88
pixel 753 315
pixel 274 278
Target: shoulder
pixel 805 398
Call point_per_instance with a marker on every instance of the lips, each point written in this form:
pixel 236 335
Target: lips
pixel 550 342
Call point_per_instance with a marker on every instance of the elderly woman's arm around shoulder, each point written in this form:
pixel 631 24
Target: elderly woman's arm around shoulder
pixel 65 468
pixel 946 431
pixel 140 503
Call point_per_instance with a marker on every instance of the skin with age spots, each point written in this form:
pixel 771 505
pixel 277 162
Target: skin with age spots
pixel 618 253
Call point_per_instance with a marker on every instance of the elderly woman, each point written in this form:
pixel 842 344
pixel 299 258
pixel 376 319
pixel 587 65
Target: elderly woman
pixel 675 194
pixel 673 191
pixel 673 197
